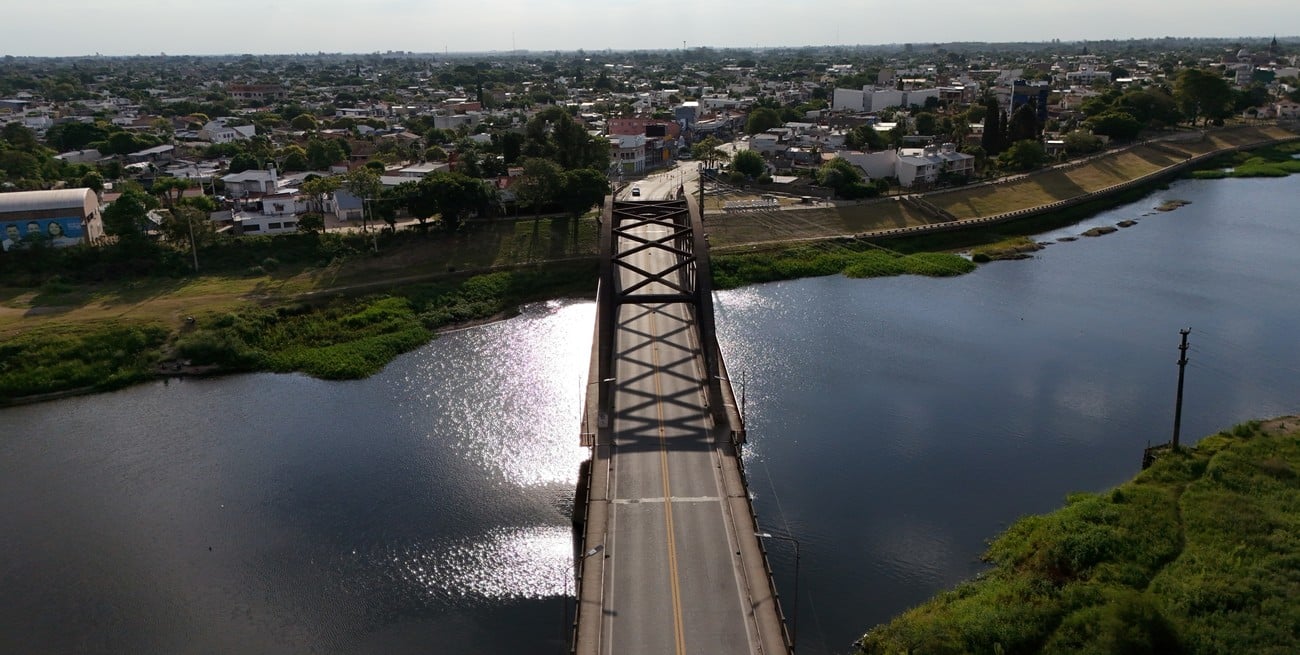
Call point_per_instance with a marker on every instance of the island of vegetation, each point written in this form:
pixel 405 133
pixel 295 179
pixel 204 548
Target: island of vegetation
pixel 1199 554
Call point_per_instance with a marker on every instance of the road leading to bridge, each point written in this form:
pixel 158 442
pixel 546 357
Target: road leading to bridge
pixel 682 571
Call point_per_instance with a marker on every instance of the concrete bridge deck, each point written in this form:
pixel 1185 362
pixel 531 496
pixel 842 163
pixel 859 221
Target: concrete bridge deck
pixel 677 567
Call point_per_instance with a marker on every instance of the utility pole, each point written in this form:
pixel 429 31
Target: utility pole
pixel 194 246
pixel 1182 366
pixel 701 176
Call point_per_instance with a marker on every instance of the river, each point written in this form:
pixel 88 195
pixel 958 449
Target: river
pixel 895 425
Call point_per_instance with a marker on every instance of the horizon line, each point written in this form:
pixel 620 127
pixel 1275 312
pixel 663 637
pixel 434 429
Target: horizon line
pixel 741 48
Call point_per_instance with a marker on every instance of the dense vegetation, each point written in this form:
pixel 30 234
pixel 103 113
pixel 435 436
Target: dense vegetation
pixel 352 338
pixel 1274 161
pixel 856 260
pixel 1199 554
pixel 342 337
pixel 101 357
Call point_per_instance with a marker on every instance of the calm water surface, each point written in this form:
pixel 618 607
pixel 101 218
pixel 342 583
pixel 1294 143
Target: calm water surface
pixel 895 425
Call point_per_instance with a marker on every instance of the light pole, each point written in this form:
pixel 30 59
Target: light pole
pixel 742 393
pixel 794 615
pixel 568 571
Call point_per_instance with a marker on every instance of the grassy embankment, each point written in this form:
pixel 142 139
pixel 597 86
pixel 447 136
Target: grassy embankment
pixel 1062 184
pixel 344 318
pixel 740 231
pixel 1199 554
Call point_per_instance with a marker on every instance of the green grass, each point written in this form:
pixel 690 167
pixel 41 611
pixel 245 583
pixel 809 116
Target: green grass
pixel 100 356
pixel 1199 554
pixel 1006 249
pixel 346 338
pixel 730 271
pixel 1274 161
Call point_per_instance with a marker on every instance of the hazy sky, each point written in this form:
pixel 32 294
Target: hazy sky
pixel 122 27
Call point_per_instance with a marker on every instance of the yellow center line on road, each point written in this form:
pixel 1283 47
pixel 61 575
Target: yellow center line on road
pixel 668 496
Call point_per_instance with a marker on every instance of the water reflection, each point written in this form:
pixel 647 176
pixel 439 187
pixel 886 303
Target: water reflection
pixel 502 565
pixel 512 390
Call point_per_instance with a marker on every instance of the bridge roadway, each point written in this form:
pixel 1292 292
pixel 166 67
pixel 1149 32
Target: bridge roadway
pixel 681 570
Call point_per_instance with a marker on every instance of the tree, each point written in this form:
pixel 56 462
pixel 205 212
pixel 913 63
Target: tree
pixel 991 141
pixel 321 154
pixel 1202 95
pixel 749 163
pixel 553 134
pixel 19 136
pixel 539 184
pixel 186 227
pixel 1152 107
pixel 169 189
pixel 304 122
pixel 1081 142
pixel 1117 125
pixel 125 143
pixel 926 123
pixel 708 150
pixel 1023 156
pixel 762 119
pixel 292 158
pixel 243 162
pixel 865 137
pixel 511 145
pixel 127 216
pixel 311 222
pixel 845 178
pixel 583 189
pixel 316 188
pixel 1023 125
pixel 363 182
pixel 435 153
pixel 456 196
pixel 93 181
pixel 75 135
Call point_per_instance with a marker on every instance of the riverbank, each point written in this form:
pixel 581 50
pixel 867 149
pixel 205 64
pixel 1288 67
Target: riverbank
pixel 347 321
pixel 1194 555
pixel 345 334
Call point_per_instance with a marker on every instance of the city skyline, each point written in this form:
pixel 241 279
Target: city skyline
pixel 134 27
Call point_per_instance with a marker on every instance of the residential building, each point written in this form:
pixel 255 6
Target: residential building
pixel 628 153
pixel 650 127
pixel 250 183
pixel 877 165
pixel 217 131
pixel 417 171
pixel 258 92
pixel 344 205
pixel 924 166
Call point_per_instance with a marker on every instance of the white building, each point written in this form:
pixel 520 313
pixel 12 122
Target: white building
pixel 767 144
pixel 876 99
pixel 417 171
pixel 1087 74
pixel 925 165
pixel 849 100
pixel 218 131
pixel 453 121
pixel 251 182
pixel 877 165
pixel 628 152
